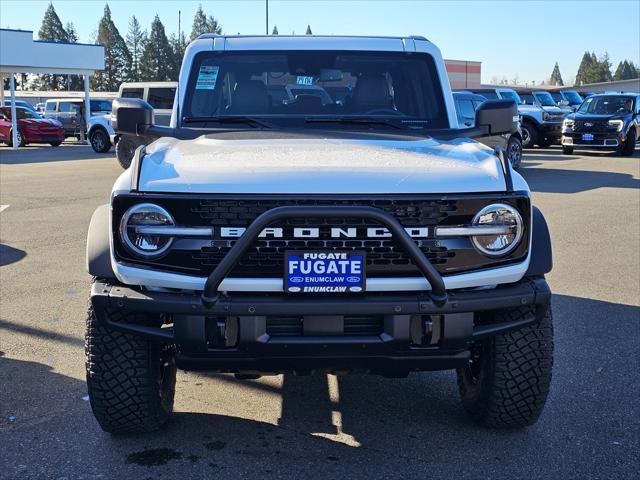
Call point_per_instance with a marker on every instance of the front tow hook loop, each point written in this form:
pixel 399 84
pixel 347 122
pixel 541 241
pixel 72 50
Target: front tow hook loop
pixel 438 299
pixel 210 301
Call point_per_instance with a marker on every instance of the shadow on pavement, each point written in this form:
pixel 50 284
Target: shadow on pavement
pixel 555 180
pixel 371 427
pixel 9 255
pixel 45 154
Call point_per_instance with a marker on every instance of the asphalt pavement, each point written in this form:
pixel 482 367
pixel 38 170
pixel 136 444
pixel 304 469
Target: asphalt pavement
pixel 321 426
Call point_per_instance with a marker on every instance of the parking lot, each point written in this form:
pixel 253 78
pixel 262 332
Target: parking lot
pixel 336 427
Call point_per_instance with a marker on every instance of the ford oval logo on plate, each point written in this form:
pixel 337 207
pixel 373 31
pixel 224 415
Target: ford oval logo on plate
pixel 296 279
pixel 353 279
pixel 294 289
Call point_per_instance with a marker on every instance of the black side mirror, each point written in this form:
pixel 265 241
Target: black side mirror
pixel 497 117
pixel 132 116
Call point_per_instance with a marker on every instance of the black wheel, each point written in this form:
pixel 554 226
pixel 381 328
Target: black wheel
pixel 131 380
pixel 629 146
pixel 529 135
pixel 21 142
pixel 507 380
pixel 514 152
pixel 125 149
pixel 99 141
pixel 55 144
pixel 567 150
pixel 545 142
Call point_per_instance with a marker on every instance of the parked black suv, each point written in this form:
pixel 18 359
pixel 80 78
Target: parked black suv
pixel 605 121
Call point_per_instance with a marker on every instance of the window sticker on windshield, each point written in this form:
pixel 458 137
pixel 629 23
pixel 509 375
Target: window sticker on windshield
pixel 302 80
pixel 207 77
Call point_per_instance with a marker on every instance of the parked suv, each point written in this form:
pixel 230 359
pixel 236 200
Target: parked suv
pixel 69 112
pixel 259 236
pixel 160 96
pixel 466 105
pixel 539 127
pixel 550 129
pixel 606 121
pixel 567 98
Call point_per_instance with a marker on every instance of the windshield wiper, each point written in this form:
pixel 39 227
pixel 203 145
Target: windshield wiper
pixel 355 121
pixel 229 119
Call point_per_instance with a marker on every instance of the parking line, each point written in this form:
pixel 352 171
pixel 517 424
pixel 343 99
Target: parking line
pixel 3 208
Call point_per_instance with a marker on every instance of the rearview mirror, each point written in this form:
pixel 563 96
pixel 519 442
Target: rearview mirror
pixel 131 115
pixel 497 117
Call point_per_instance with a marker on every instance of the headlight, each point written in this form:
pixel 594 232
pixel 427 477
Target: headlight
pixel 567 123
pixel 617 124
pixel 545 116
pixel 144 244
pixel 498 215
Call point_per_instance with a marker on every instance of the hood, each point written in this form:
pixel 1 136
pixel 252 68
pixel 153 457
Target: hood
pixel 554 110
pixel 319 166
pixel 595 118
pixel 40 122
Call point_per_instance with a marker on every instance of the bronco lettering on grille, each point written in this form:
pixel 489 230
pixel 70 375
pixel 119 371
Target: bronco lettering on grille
pixel 306 232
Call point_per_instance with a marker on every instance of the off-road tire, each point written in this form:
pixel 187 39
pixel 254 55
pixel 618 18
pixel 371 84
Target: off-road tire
pixel 507 386
pixel 125 149
pixel 629 146
pixel 131 380
pixel 514 152
pixel 567 150
pixel 545 142
pixel 99 140
pixel 529 135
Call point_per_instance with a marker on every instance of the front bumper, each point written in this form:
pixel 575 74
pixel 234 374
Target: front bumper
pixel 551 130
pixel 600 140
pixel 232 334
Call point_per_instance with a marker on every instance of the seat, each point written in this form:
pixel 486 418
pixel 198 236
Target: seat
pixel 371 92
pixel 249 98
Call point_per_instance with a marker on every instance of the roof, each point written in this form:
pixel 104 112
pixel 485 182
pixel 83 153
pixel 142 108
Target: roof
pixel 72 99
pixel 275 37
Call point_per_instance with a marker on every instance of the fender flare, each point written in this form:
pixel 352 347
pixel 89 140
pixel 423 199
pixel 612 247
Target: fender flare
pixel 541 260
pixel 96 127
pixel 98 244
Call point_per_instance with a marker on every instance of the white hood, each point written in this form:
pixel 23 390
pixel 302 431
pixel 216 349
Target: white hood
pixel 316 166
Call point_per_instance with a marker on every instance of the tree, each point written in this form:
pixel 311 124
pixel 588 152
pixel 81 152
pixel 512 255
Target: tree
pixel 626 71
pixel 157 59
pixel 587 71
pixel 178 46
pixel 309 32
pixel 135 39
pixel 203 24
pixel 275 30
pixel 556 78
pixel 117 59
pixel 51 30
pixel 604 69
pixel 74 82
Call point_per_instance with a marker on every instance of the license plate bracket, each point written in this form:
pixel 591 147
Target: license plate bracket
pixel 321 271
pixel 587 137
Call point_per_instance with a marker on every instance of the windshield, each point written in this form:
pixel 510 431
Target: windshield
pixel 510 95
pixel 100 105
pixel 606 105
pixel 22 113
pixel 545 99
pixel 298 85
pixel 572 97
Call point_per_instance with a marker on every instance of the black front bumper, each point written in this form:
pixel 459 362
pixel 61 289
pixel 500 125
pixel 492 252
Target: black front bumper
pixel 551 130
pixel 232 334
pixel 600 140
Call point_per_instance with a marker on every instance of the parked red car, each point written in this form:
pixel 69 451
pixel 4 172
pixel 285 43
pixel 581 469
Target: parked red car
pixel 32 128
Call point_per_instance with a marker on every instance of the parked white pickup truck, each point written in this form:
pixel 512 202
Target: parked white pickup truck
pixel 350 227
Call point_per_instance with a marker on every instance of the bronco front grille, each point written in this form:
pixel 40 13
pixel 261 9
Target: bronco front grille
pixel 265 259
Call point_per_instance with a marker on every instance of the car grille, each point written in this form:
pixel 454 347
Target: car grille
pixel 293 326
pixel 265 259
pixel 593 126
pixel 555 118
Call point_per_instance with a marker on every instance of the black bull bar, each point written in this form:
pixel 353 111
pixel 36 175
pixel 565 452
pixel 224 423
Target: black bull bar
pixel 438 293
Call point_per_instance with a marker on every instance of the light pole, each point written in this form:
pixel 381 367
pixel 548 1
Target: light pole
pixel 267 17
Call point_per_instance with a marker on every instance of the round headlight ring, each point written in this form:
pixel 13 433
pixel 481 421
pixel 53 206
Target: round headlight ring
pixel 125 230
pixel 517 223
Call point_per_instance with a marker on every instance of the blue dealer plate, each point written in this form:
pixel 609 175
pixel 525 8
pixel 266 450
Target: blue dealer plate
pixel 587 137
pixel 324 272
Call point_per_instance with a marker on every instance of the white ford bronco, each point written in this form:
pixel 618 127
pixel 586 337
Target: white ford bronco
pixel 314 206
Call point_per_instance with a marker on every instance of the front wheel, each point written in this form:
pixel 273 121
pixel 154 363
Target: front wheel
pixel 21 142
pixel 529 135
pixel 131 380
pixel 545 142
pixel 126 148
pixel 100 141
pixel 567 150
pixel 514 152
pixel 629 146
pixel 55 144
pixel 506 382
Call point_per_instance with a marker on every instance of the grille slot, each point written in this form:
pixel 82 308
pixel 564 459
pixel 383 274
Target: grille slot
pixel 293 326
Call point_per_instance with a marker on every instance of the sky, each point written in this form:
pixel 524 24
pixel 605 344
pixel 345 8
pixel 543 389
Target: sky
pixel 512 38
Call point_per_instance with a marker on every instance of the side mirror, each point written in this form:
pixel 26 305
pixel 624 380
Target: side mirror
pixel 132 116
pixel 497 117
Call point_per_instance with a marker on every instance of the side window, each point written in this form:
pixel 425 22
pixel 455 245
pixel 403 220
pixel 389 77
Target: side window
pixel 466 112
pixel 50 107
pixel 64 107
pixel 161 98
pixel 638 105
pixel 132 92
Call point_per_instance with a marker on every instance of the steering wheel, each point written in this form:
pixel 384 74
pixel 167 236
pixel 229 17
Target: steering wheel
pixel 382 111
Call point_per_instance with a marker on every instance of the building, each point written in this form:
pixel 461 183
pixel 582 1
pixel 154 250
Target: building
pixel 463 73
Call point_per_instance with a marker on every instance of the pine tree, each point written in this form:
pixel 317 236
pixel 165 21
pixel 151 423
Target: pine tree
pixel 178 46
pixel 556 78
pixel 213 26
pixel 619 71
pixel 275 30
pixel 199 24
pixel 74 82
pixel 604 69
pixel 52 31
pixel 309 32
pixel 156 63
pixel 585 73
pixel 117 59
pixel 135 40
pixel 633 71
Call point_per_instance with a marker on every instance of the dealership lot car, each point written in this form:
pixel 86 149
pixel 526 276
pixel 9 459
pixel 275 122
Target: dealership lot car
pixel 374 234
pixel 68 111
pixel 606 121
pixel 32 128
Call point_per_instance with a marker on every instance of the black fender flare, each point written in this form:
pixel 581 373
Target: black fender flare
pixel 541 260
pixel 98 244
